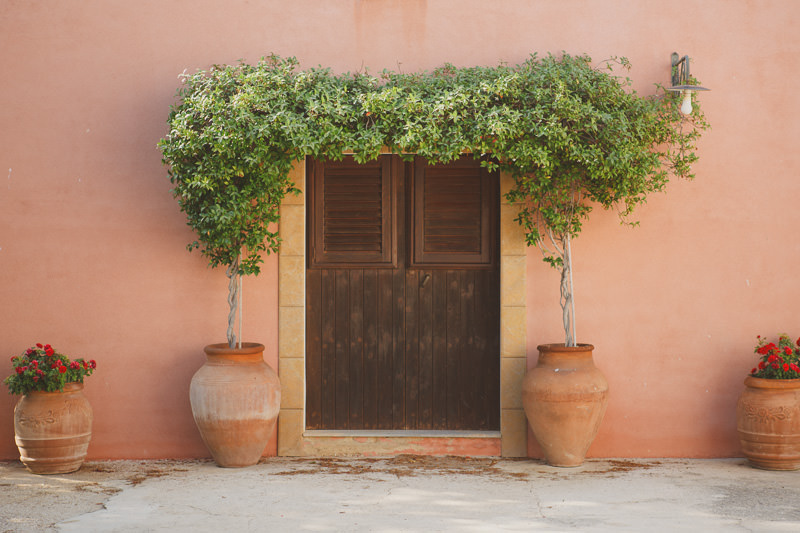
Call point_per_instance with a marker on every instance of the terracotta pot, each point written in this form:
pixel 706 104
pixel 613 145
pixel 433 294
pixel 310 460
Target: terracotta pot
pixel 565 397
pixel 53 429
pixel 235 399
pixel 768 422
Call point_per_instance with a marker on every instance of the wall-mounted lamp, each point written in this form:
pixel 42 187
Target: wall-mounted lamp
pixel 681 82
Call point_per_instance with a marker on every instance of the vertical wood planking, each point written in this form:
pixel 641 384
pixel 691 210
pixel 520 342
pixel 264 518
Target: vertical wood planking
pixel 486 358
pixel 425 344
pixel 370 350
pixel 356 350
pixel 492 336
pixel 327 305
pixel 398 350
pixel 398 305
pixel 412 349
pixel 453 329
pixel 342 336
pixel 328 350
pixel 439 349
pixel 469 365
pixel 313 351
pixel 385 350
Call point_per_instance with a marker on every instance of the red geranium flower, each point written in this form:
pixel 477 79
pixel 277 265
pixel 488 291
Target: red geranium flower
pixel 42 368
pixel 776 358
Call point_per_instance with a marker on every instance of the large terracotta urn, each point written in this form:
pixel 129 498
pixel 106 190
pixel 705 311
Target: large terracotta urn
pixel 565 397
pixel 235 399
pixel 768 422
pixel 53 429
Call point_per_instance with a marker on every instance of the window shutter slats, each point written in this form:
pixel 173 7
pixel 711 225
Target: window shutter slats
pixel 352 213
pixel 453 215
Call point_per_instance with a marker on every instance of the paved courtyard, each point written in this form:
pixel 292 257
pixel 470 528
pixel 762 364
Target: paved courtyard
pixel 404 493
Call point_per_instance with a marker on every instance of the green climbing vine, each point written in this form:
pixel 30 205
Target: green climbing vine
pixel 572 134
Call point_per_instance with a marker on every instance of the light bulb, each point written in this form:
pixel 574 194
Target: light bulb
pixel 686 106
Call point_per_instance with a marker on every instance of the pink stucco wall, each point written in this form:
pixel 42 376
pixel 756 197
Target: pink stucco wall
pixel 92 256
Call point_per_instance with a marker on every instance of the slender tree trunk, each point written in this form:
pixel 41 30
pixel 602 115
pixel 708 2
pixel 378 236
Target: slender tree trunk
pixel 567 298
pixel 571 292
pixel 234 298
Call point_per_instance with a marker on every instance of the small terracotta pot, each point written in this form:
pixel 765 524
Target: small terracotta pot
pixel 53 429
pixel 235 399
pixel 565 397
pixel 768 422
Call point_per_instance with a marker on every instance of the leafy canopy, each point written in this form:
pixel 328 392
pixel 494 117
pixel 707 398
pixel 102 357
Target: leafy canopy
pixel 571 134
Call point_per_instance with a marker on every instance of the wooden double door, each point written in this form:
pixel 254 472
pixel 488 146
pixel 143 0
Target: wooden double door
pixel 402 296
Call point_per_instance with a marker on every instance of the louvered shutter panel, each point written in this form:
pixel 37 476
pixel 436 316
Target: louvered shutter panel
pixel 353 215
pixel 453 214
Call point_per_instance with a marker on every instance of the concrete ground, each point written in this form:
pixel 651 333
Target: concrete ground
pixel 404 493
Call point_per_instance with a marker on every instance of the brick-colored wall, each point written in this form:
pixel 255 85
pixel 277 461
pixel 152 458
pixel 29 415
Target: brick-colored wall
pixel 92 245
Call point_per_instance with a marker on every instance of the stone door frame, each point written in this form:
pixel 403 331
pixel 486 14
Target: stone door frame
pixel 295 440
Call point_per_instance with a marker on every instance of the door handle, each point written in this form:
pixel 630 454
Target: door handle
pixel 425 279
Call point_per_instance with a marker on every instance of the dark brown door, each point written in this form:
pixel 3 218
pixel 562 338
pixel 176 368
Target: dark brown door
pixel 402 296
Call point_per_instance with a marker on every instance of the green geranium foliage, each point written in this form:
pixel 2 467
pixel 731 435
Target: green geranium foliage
pixel 572 135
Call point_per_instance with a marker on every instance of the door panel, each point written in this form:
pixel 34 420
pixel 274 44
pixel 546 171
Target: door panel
pixel 396 346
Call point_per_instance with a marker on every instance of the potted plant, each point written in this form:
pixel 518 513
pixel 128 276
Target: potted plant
pixel 53 419
pixel 594 142
pixel 768 411
pixel 230 186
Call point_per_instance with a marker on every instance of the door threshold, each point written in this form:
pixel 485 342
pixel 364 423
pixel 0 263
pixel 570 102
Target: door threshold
pixel 379 442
